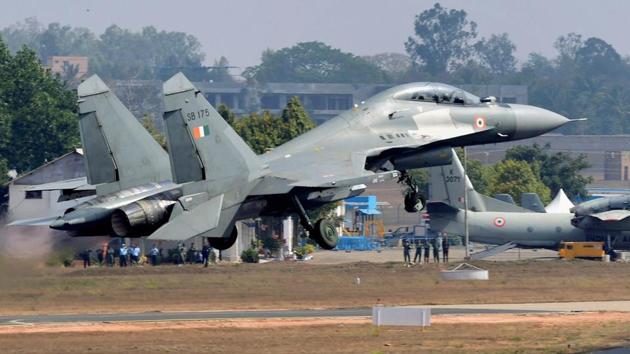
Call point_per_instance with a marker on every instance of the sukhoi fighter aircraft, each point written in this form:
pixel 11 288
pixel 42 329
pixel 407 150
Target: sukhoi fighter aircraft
pixel 502 223
pixel 215 179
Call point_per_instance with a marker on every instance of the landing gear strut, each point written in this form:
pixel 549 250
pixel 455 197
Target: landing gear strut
pixel 323 231
pixel 223 243
pixel 414 200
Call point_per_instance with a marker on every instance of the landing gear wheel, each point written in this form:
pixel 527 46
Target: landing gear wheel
pixel 325 234
pixel 414 202
pixel 223 243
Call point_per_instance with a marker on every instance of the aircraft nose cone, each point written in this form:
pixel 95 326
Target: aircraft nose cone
pixel 533 121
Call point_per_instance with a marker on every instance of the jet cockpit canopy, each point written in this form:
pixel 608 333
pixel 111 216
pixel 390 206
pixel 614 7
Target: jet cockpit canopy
pixel 438 93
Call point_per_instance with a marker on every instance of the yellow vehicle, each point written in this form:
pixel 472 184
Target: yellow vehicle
pixel 570 250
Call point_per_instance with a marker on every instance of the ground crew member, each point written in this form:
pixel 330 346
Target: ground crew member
pixel 445 246
pixel 182 254
pixel 418 254
pixel 407 251
pixel 436 251
pixel 135 253
pixel 110 256
pixel 427 248
pixel 122 255
pixel 205 253
pixel 86 255
pixel 192 250
pixel 101 253
pixel 154 255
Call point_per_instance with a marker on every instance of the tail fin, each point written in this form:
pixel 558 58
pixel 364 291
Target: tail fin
pixel 447 186
pixel 202 146
pixel 532 202
pixel 119 152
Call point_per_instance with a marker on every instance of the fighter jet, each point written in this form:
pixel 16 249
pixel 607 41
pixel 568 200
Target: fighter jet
pixel 406 127
pixel 500 222
pixel 215 179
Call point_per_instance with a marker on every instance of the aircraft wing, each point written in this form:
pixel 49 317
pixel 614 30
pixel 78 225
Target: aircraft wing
pixel 71 184
pixel 612 220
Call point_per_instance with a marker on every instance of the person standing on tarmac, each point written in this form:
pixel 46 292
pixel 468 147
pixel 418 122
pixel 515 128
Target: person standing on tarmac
pixel 445 246
pixel 417 258
pixel 427 248
pixel 154 255
pixel 407 251
pixel 205 254
pixel 110 255
pixel 436 250
pixel 122 255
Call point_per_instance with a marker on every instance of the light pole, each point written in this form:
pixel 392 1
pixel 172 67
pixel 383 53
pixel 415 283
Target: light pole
pixel 465 204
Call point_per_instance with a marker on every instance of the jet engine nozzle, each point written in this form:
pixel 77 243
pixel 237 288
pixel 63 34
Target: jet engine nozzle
pixel 140 218
pixel 533 121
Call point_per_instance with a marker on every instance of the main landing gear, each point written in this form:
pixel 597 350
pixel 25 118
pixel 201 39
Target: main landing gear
pixel 323 231
pixel 414 200
pixel 223 243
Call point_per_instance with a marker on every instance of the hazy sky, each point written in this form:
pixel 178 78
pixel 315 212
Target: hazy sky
pixel 242 29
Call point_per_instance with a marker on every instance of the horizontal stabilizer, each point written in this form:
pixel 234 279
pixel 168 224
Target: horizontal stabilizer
pixel 45 221
pixel 188 224
pixel 492 251
pixel 440 207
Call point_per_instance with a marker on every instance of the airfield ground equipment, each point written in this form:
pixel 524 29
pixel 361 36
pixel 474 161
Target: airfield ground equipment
pixel 590 250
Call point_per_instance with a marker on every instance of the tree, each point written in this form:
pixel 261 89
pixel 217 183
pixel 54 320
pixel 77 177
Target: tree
pixel 296 120
pixel 556 171
pixel 497 54
pixel 395 65
pixel 37 112
pixel 149 125
pixel 515 178
pixel 314 62
pixel 442 37
pixel 597 57
pixel 219 71
pixel 227 114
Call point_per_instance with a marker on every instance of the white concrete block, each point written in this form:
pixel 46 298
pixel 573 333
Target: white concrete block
pixel 401 316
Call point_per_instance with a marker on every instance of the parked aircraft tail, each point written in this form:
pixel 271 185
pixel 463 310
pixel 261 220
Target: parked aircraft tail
pixel 202 146
pixel 447 186
pixel 119 152
pixel 532 202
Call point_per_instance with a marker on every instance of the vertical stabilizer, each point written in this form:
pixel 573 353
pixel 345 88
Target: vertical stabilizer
pixel 119 152
pixel 446 185
pixel 202 146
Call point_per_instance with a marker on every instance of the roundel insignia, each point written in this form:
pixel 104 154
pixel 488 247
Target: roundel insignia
pixel 499 222
pixel 480 123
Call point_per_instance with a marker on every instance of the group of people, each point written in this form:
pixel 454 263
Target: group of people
pixel 132 255
pixel 424 247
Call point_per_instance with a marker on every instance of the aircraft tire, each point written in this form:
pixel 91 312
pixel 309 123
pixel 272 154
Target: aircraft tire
pixel 414 202
pixel 325 234
pixel 223 243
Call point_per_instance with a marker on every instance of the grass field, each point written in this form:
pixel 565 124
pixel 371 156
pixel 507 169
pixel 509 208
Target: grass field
pixel 575 335
pixel 29 290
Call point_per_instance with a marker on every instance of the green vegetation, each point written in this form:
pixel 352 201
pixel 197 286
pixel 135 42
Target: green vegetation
pixel 514 178
pixel 38 120
pixel 314 62
pixel 250 255
pixel 119 53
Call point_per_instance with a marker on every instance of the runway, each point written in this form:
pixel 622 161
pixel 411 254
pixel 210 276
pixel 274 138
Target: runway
pixel 216 315
pixel 463 309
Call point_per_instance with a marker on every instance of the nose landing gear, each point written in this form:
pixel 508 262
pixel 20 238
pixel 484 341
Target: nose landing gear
pixel 414 200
